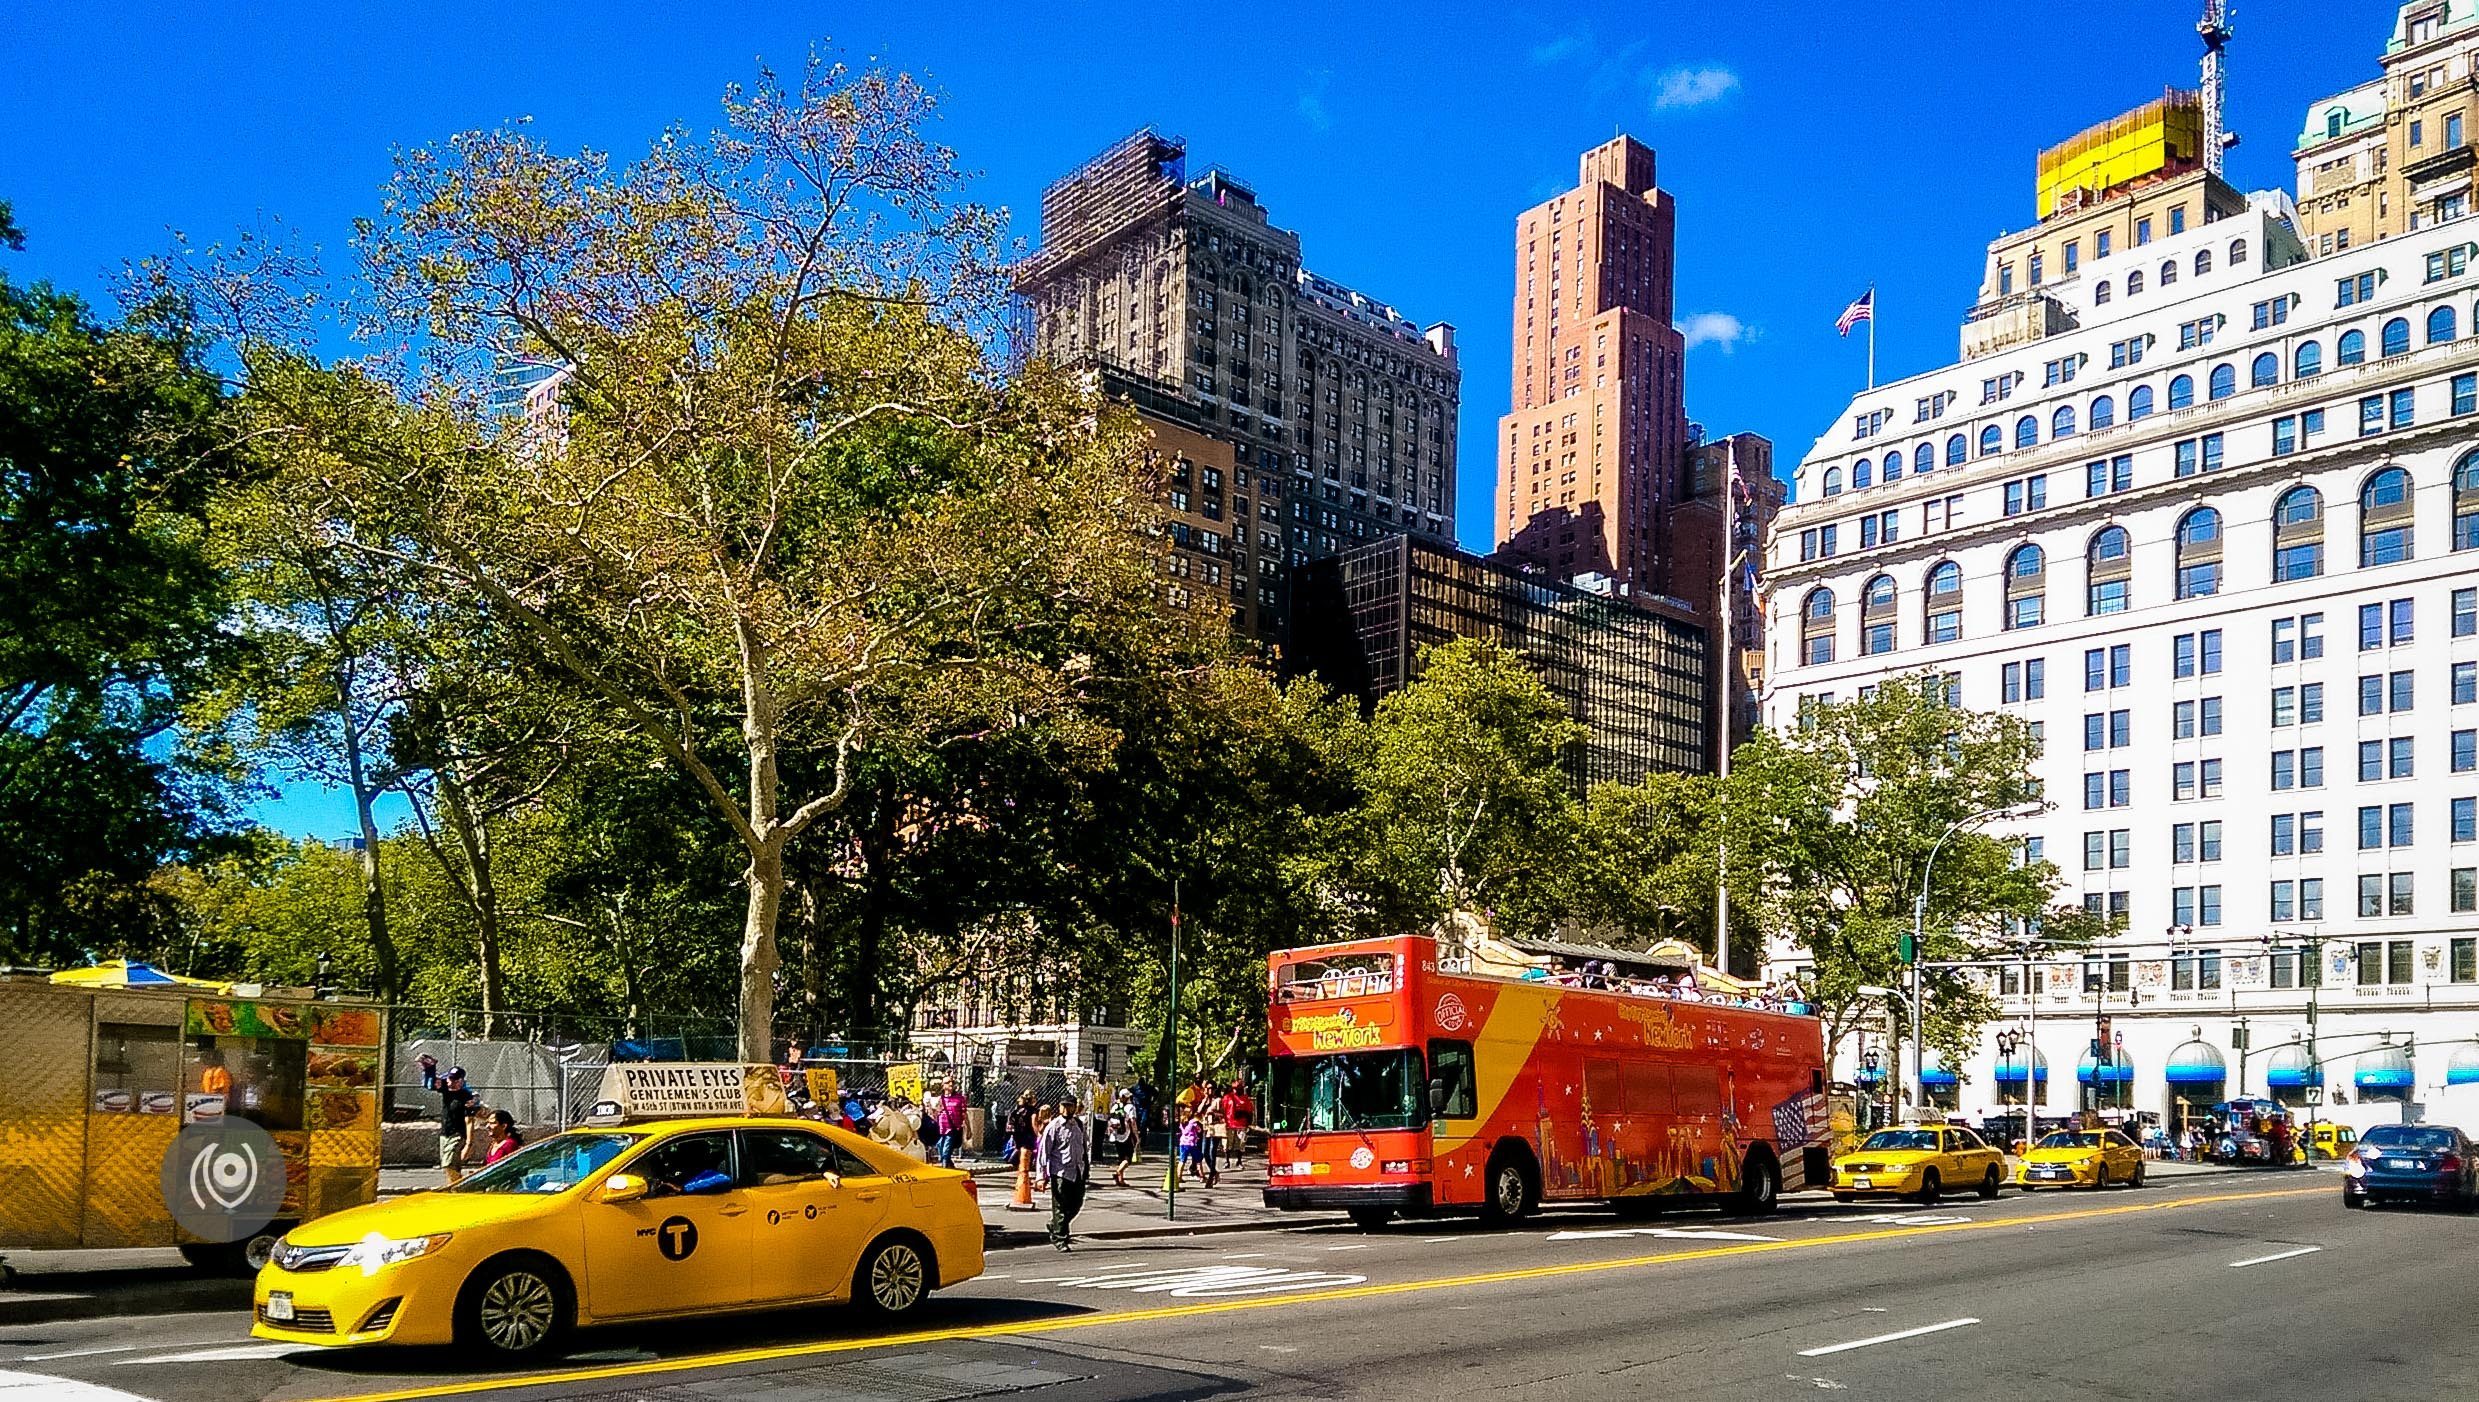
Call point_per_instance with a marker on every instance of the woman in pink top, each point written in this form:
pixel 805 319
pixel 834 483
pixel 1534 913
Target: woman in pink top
pixel 504 1140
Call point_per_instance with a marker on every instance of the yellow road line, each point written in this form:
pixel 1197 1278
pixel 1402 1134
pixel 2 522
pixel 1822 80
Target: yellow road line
pixel 1058 1324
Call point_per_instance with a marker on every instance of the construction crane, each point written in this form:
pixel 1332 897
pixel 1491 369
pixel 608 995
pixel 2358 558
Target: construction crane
pixel 2214 29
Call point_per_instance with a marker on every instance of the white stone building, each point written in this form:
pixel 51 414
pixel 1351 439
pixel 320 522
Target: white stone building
pixel 2205 508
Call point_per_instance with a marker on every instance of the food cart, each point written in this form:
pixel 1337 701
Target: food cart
pixel 98 1079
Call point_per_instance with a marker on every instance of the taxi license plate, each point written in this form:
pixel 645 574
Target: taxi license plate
pixel 280 1306
pixel 1859 1182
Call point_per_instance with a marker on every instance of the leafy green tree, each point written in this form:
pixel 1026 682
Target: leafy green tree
pixel 1644 862
pixel 1831 826
pixel 105 466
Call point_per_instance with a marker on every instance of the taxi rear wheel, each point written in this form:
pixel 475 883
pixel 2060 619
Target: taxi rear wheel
pixel 894 1277
pixel 517 1307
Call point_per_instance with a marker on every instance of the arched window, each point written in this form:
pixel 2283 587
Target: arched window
pixel 2061 423
pixel 2397 335
pixel 2108 569
pixel 1816 627
pixel 2222 383
pixel 1877 617
pixel 1893 465
pixel 2203 261
pixel 2266 371
pixel 1833 481
pixel 2104 412
pixel 2440 325
pixel 1863 474
pixel 2181 391
pixel 1924 457
pixel 2026 431
pixel 2138 402
pixel 2237 252
pixel 2307 362
pixel 2134 282
pixel 2026 587
pixel 2466 502
pixel 1956 450
pixel 2384 520
pixel 2199 553
pixel 2352 350
pixel 2100 294
pixel 1991 439
pixel 2169 272
pixel 2297 535
pixel 1944 603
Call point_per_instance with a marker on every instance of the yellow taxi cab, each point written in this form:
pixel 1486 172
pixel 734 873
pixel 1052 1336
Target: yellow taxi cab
pixel 2086 1158
pixel 2327 1141
pixel 645 1221
pixel 1918 1160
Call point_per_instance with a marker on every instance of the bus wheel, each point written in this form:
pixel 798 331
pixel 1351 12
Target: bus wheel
pixel 1511 1195
pixel 1760 1187
pixel 1369 1219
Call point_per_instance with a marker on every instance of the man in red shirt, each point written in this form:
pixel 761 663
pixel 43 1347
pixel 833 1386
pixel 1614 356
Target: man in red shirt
pixel 1238 1114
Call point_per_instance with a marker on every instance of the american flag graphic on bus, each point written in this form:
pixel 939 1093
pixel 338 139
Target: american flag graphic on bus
pixel 1800 1121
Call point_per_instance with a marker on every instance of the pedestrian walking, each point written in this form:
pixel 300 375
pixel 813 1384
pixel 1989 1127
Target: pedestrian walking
pixel 457 1107
pixel 1209 1136
pixel 1190 1141
pixel 1120 1129
pixel 1066 1147
pixel 1239 1115
pixel 948 1111
pixel 504 1138
pixel 1140 1096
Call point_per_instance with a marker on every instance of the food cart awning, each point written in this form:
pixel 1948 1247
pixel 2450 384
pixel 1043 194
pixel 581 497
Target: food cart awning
pixel 131 973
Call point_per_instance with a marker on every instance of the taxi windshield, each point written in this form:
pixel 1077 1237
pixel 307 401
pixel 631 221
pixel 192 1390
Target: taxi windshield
pixel 2071 1139
pixel 551 1166
pixel 1902 1139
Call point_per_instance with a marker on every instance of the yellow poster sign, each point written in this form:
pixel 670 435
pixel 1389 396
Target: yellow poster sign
pixel 904 1079
pixel 823 1092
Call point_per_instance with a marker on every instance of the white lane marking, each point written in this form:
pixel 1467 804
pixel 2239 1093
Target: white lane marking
pixel 1363 1246
pixel 1434 1240
pixel 985 1275
pixel 1886 1338
pixel 1279 1348
pixel 2276 1256
pixel 238 1354
pixel 1673 1233
pixel 1192 1282
pixel 78 1353
pixel 39 1387
pixel 1244 1255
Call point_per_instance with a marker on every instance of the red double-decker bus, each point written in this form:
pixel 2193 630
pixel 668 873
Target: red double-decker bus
pixel 1399 1087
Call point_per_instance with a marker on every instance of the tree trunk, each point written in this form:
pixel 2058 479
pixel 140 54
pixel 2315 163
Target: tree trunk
pixel 477 884
pixel 757 951
pixel 374 891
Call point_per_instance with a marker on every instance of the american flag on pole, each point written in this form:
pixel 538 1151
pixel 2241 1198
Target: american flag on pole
pixel 1862 310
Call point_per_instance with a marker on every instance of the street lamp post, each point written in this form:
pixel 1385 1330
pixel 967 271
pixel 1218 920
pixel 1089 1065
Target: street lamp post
pixel 2009 1042
pixel 1919 936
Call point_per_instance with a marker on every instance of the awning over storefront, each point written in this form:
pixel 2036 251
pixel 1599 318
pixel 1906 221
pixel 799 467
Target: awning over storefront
pixel 2385 1068
pixel 2463 1069
pixel 2195 1064
pixel 2010 1068
pixel 2118 1072
pixel 2289 1069
pixel 1933 1071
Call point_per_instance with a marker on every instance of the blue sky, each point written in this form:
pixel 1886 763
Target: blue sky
pixel 1863 145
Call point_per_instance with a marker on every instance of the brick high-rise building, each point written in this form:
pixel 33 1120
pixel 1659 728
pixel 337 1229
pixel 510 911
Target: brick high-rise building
pixel 1339 412
pixel 1592 460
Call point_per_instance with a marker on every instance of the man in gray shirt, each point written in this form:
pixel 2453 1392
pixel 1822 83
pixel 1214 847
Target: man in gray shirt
pixel 1065 1162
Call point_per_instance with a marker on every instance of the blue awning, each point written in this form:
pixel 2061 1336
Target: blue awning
pixel 2118 1071
pixel 2010 1068
pixel 2289 1069
pixel 1933 1071
pixel 2463 1069
pixel 2385 1068
pixel 2195 1064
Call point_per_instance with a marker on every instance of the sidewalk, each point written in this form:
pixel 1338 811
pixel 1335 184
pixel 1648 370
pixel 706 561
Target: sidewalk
pixel 1141 1209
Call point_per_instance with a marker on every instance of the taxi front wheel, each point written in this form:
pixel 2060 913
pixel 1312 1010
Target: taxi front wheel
pixel 894 1277
pixel 518 1307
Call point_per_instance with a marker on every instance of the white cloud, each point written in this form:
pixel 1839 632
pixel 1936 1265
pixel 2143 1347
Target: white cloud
pixel 1557 50
pixel 1692 87
pixel 1715 329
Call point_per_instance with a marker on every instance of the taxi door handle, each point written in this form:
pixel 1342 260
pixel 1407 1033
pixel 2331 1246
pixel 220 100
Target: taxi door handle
pixel 869 1197
pixel 732 1211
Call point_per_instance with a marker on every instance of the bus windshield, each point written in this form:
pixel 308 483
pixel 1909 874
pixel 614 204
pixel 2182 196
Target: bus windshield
pixel 1348 1090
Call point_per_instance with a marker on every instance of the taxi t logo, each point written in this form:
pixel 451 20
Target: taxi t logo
pixel 676 1238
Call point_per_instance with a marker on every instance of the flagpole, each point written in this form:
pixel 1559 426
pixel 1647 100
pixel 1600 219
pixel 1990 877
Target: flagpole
pixel 1872 337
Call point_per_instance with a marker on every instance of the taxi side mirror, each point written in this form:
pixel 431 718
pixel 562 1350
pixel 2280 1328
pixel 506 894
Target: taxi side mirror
pixel 621 1187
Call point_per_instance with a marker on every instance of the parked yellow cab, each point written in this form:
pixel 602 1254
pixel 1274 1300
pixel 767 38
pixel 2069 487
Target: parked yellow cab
pixel 1922 1161
pixel 682 1217
pixel 2082 1158
pixel 2328 1141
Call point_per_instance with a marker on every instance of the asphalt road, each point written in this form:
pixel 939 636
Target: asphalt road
pixel 2231 1285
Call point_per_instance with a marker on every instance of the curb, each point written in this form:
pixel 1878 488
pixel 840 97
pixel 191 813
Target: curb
pixel 174 1295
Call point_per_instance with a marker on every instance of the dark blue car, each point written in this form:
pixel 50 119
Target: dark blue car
pixel 2430 1162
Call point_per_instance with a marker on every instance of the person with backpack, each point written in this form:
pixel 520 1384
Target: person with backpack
pixel 1120 1130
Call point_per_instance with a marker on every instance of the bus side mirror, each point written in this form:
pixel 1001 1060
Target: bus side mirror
pixel 1437 1096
